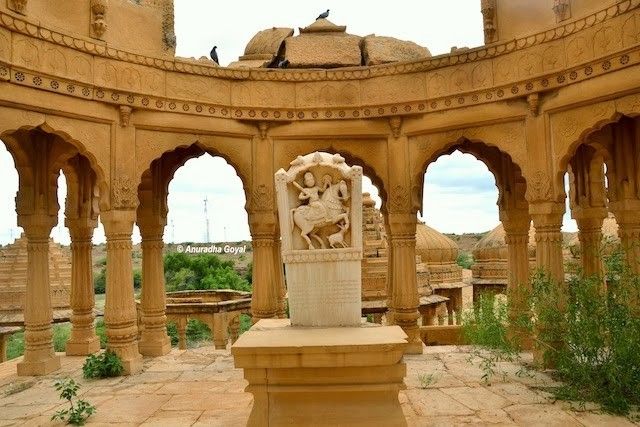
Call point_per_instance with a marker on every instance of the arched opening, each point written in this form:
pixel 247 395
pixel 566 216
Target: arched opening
pixel 196 201
pixel 48 190
pixel 602 182
pixel 473 196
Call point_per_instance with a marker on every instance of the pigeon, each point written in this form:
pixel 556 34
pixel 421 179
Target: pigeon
pixel 214 55
pixel 323 15
pixel 283 64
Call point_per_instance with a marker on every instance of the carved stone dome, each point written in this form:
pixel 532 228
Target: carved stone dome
pixel 492 247
pixel 324 44
pixel 434 247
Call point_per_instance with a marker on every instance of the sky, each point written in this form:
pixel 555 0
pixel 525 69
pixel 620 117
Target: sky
pixel 459 193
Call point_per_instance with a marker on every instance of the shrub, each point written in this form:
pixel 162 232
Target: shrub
pixel 245 323
pixel 76 414
pixel 197 332
pixel 101 332
pixel 100 280
pixel 465 260
pixel 204 271
pixel 588 333
pixel 104 365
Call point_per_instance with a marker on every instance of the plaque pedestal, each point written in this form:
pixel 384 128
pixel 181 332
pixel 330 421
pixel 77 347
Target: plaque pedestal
pixel 323 376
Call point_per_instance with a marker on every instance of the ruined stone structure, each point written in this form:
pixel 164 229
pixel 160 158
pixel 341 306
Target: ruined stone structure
pixel 553 90
pixel 13 282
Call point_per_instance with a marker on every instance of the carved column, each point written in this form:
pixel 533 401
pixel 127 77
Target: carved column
pixel 516 226
pixel 402 277
pixel 39 356
pixel 279 272
pixel 588 205
pixel 590 236
pixel 154 340
pixel 120 309
pixel 488 10
pixel 547 219
pixel 266 291
pixel 628 217
pixel 83 339
pixel 267 301
pixel 623 173
pixel 401 222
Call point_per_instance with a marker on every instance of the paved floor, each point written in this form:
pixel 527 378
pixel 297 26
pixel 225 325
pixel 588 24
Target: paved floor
pixel 200 387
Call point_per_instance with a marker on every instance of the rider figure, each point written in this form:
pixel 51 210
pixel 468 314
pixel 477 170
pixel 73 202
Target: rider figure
pixel 311 192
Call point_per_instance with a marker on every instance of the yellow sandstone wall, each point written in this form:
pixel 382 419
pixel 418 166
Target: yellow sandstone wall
pixel 141 26
pixel 521 17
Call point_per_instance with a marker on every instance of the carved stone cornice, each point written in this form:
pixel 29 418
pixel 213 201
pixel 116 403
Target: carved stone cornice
pixel 95 48
pixel 426 102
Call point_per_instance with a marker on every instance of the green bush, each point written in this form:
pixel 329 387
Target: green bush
pixel 590 334
pixel 100 280
pixel 204 271
pixel 245 323
pixel 465 260
pixel 197 332
pixel 249 274
pixel 104 365
pixel 101 331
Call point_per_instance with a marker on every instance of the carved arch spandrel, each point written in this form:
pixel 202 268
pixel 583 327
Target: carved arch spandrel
pixel 370 155
pixel 571 128
pixel 153 145
pixel 89 139
pixel 501 147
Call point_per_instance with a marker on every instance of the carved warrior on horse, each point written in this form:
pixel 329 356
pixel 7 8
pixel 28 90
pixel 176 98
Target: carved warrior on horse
pixel 321 210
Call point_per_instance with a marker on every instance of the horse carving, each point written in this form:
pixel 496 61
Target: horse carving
pixel 325 207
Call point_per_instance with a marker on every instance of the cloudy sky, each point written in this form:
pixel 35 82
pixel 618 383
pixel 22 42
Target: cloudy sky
pixel 459 194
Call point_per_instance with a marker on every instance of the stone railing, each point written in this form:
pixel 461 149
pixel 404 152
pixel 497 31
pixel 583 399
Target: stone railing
pixel 219 309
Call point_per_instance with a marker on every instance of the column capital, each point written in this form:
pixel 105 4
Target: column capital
pixel 38 225
pixel 81 228
pixel 402 225
pixel 626 211
pixel 118 223
pixel 589 213
pixel 263 224
pixel 151 226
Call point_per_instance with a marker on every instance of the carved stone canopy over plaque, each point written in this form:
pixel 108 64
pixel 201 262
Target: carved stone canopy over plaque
pixel 320 213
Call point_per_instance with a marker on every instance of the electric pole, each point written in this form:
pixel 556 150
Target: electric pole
pixel 206 220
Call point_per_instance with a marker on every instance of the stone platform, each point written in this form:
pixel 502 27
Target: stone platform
pixel 200 387
pixel 347 376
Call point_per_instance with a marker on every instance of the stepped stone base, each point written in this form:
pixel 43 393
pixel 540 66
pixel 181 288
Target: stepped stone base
pixel 323 376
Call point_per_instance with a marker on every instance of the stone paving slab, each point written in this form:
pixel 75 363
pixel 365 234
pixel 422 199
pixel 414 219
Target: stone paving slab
pixel 200 387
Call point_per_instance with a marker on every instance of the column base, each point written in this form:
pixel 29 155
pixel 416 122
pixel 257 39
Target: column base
pixel 317 376
pixel 414 348
pixel 39 367
pixel 131 358
pixel 83 348
pixel 154 347
pixel 132 366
